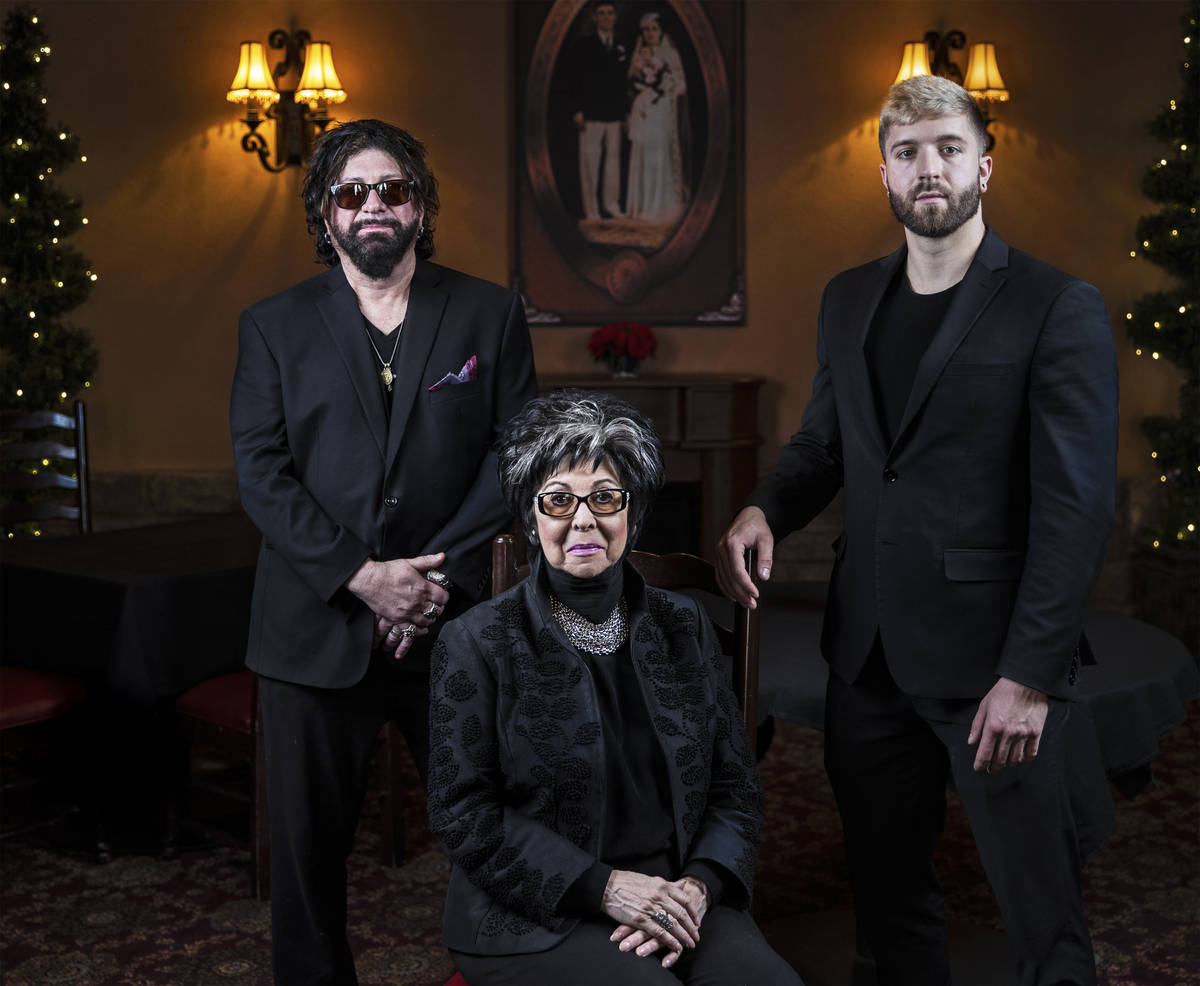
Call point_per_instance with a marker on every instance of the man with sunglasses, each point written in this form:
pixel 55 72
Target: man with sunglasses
pixel 365 405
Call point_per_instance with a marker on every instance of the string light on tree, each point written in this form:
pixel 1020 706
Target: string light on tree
pixel 1166 324
pixel 45 278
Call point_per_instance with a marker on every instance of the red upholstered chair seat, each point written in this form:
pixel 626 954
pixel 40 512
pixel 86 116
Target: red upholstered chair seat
pixel 225 701
pixel 28 696
pixel 224 711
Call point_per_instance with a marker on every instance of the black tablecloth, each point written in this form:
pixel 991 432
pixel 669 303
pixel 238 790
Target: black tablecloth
pixel 150 611
pixel 1138 689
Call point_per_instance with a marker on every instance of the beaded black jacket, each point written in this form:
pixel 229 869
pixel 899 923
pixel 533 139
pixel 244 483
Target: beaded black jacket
pixel 516 764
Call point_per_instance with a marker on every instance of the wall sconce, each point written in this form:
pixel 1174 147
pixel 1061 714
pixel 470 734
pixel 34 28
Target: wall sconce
pixel 300 114
pixel 983 79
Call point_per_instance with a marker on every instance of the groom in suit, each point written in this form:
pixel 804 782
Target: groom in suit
pixel 966 400
pixel 365 405
pixel 600 101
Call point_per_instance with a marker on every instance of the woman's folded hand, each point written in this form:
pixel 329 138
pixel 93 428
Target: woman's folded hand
pixel 654 913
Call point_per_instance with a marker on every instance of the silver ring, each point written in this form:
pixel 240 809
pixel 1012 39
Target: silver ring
pixel 664 920
pixel 394 631
pixel 432 612
pixel 409 631
pixel 438 578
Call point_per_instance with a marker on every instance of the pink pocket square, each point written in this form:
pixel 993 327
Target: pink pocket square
pixel 469 371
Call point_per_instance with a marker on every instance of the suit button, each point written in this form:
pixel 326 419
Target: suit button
pixel 890 475
pixel 390 501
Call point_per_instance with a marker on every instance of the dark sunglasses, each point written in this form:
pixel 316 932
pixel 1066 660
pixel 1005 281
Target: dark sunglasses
pixel 352 194
pixel 559 503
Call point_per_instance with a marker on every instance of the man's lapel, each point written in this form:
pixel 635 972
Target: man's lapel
pixel 344 323
pixel 983 279
pixel 860 376
pixel 426 303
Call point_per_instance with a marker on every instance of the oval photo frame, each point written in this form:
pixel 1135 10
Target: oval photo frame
pixel 630 274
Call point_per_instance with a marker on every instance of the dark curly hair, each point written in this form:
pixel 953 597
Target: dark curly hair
pixel 336 147
pixel 581 427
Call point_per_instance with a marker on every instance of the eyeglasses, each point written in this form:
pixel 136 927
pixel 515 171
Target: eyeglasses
pixel 560 503
pixel 352 194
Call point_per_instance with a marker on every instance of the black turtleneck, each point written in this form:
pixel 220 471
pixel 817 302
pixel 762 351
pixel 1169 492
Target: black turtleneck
pixel 594 597
pixel 638 829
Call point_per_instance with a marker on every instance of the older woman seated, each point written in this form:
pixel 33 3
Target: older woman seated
pixel 589 774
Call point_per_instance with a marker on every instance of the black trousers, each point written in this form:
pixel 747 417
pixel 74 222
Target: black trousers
pixel 731 951
pixel 888 757
pixel 318 751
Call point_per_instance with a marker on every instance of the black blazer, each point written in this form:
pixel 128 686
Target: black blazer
pixel 598 79
pixel 516 764
pixel 330 483
pixel 972 541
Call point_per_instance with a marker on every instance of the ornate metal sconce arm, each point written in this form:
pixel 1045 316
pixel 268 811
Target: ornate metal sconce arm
pixel 256 143
pixel 942 64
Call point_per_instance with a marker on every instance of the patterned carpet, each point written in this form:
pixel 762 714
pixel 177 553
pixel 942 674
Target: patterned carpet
pixel 141 920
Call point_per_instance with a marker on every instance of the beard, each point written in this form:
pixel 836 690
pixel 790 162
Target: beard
pixel 377 255
pixel 935 222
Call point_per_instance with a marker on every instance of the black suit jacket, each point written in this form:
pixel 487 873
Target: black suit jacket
pixel 516 763
pixel 598 79
pixel 330 483
pixel 971 542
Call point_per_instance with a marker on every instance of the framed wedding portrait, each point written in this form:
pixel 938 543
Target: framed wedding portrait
pixel 628 181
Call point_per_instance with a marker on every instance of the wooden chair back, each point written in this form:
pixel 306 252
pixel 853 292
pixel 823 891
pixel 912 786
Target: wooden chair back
pixel 27 464
pixel 676 571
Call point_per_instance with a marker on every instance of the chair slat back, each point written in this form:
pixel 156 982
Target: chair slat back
pixel 28 420
pixel 37 481
pixel 20 447
pixel 673 571
pixel 19 451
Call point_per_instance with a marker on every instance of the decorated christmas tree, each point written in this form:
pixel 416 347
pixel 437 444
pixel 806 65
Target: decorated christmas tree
pixel 44 360
pixel 1165 325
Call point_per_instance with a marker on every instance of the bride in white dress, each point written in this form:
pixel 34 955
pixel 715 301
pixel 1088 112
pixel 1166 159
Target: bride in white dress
pixel 657 188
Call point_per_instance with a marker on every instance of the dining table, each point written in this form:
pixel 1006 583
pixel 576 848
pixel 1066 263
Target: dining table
pixel 138 615
pixel 145 612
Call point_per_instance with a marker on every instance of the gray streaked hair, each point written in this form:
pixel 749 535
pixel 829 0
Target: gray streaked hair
pixel 580 426
pixel 928 97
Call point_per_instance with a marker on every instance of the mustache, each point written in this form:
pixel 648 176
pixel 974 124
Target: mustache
pixel 394 224
pixel 924 185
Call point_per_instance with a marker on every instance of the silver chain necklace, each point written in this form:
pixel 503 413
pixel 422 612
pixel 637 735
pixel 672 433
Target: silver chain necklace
pixel 386 374
pixel 595 638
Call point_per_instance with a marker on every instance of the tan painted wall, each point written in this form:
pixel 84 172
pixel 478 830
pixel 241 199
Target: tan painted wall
pixel 185 229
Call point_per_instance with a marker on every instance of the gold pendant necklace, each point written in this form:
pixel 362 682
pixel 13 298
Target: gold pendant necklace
pixel 386 374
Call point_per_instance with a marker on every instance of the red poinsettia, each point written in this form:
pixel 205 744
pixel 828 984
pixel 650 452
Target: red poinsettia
pixel 635 339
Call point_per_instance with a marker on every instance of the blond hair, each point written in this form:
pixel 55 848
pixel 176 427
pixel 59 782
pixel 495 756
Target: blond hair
pixel 928 97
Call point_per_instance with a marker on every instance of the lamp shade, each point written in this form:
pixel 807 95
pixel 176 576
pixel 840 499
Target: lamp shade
pixel 915 61
pixel 319 80
pixel 253 82
pixel 983 76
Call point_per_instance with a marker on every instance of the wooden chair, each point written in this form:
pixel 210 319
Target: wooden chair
pixel 223 712
pixel 37 484
pixel 674 571
pixel 27 461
